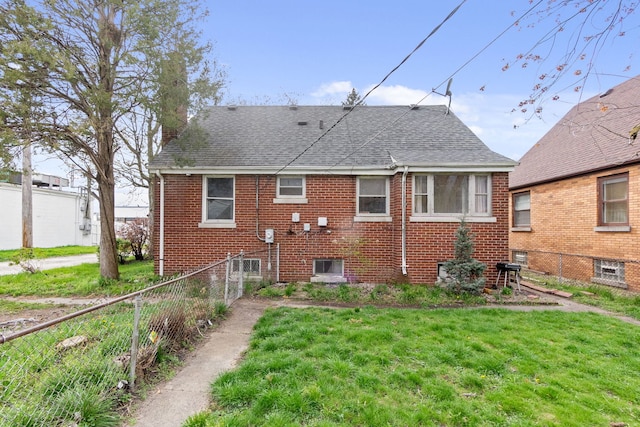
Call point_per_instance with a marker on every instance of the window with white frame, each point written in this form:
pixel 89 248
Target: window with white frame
pixel 613 200
pixel 290 186
pixel 452 194
pixel 219 198
pixel 250 266
pixel 328 267
pixel 522 209
pixel 373 196
pixel 608 272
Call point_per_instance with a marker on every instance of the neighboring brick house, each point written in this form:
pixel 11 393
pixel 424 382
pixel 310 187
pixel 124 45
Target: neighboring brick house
pixel 575 196
pixel 370 194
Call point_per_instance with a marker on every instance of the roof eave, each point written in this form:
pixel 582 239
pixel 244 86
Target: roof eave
pixel 390 169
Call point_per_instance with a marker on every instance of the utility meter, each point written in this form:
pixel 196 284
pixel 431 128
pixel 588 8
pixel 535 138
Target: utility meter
pixel 268 235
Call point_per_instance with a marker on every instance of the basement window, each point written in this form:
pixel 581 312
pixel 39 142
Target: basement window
pixel 520 257
pixel 609 272
pixel 328 271
pixel 250 266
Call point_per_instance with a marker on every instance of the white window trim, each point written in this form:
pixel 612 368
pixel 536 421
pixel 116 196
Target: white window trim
pixel 217 223
pixel 373 217
pixel 283 199
pixel 602 181
pixel 470 216
pixel 452 218
pixel 515 227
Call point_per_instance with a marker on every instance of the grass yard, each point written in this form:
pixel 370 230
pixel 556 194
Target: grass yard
pixel 10 255
pixel 80 280
pixel 408 367
pixel 56 386
pixel 605 297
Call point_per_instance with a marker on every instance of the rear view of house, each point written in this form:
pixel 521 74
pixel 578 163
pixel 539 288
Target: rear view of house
pixel 575 196
pixel 373 193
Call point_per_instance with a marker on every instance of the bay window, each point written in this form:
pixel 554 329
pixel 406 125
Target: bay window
pixel 451 195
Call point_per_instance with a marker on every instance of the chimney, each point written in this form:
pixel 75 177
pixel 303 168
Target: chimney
pixel 174 96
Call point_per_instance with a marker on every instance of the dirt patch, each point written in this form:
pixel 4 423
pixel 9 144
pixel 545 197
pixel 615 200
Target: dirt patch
pixel 18 320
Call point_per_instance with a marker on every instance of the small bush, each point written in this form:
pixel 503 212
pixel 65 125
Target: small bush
pixel 136 233
pixel 290 289
pixel 123 247
pixel 25 258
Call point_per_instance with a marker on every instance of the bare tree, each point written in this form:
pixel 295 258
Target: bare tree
pixel 89 63
pixel 184 83
pixel 567 54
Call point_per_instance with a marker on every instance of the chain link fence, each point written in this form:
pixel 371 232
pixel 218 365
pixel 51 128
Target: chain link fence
pixel 619 273
pixel 81 369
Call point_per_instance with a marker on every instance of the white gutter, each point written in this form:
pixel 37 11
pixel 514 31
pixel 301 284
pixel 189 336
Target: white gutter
pixel 404 220
pixel 161 232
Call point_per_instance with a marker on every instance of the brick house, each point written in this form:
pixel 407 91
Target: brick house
pixel 575 196
pixel 373 193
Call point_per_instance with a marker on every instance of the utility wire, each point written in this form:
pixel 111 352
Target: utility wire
pixel 453 12
pixel 460 68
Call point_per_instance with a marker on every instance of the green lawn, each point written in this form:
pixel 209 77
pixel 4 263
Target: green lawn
pixel 444 367
pixel 605 297
pixel 9 255
pixel 80 280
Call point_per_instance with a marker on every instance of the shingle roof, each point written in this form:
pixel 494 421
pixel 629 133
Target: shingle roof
pixel 593 135
pixel 277 136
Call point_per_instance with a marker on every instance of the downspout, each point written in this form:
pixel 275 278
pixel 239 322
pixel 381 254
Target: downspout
pixel 404 220
pixel 161 231
pixel 258 209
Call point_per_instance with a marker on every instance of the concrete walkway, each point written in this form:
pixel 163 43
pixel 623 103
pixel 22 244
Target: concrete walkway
pixel 48 263
pixel 188 392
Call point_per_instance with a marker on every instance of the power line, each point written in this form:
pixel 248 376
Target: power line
pixel 453 12
pixel 460 68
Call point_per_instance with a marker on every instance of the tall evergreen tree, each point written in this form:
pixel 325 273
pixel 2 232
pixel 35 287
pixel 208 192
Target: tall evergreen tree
pixel 353 98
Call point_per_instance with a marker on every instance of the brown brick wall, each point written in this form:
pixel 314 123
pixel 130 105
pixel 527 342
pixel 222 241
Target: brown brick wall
pixel 563 217
pixel 371 250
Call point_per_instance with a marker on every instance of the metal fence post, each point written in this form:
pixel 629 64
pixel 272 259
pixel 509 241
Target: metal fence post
pixel 134 342
pixel 241 274
pixel 560 268
pixel 278 263
pixel 227 278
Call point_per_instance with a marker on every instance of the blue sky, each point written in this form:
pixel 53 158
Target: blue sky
pixel 314 52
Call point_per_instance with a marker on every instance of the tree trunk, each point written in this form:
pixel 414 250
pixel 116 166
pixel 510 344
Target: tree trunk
pixel 108 247
pixel 27 197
